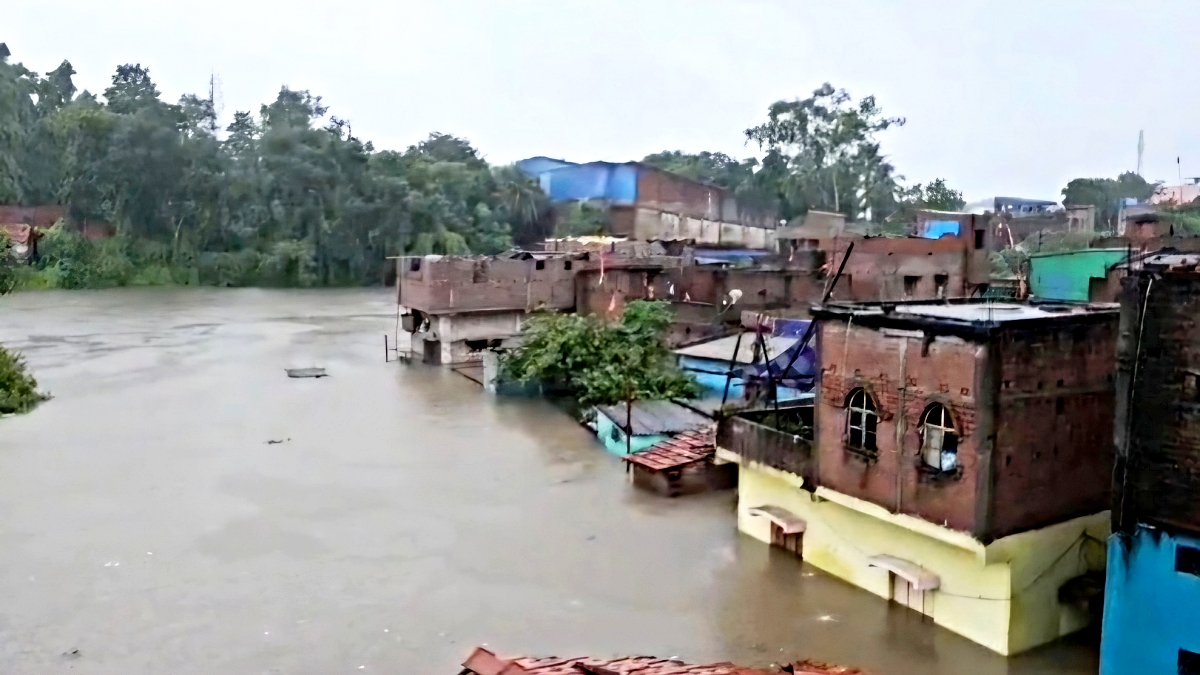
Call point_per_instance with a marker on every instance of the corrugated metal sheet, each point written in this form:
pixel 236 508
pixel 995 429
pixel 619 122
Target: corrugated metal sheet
pixel 656 417
pixel 721 349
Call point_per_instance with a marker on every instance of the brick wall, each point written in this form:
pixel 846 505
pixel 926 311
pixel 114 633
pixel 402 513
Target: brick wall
pixel 904 375
pixel 1158 419
pixel 450 284
pixel 1054 451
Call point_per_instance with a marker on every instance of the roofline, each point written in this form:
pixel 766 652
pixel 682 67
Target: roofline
pixel 1049 254
pixel 964 328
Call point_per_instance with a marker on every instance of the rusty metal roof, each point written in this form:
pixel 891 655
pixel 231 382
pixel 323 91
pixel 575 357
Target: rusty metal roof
pixel 680 450
pixel 484 662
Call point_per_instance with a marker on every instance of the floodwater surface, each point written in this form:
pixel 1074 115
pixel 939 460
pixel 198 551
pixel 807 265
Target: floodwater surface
pixel 182 506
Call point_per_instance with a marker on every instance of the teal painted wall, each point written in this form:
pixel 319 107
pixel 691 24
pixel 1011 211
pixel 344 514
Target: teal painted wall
pixel 613 437
pixel 1066 276
pixel 1151 609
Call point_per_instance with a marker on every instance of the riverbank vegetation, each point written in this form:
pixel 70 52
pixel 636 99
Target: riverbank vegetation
pixel 18 388
pixel 290 196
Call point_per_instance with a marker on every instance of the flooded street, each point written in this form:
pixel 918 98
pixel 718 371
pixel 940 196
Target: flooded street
pixel 149 520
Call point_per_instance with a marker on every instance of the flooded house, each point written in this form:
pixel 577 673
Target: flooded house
pixel 455 307
pixel 1152 594
pixel 684 464
pixel 957 462
pixel 630 429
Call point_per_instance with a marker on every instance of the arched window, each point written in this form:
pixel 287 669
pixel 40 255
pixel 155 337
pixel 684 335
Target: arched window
pixel 861 421
pixel 939 441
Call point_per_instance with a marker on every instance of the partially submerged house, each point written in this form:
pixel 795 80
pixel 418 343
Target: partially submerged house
pixel 642 424
pixel 959 465
pixel 681 465
pixel 456 307
pixel 1152 595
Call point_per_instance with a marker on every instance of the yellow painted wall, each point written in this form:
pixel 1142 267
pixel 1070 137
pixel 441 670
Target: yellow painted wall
pixel 1003 595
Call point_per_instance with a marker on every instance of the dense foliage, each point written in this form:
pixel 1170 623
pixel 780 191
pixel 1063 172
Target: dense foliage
pixel 18 389
pixel 287 196
pixel 1106 194
pixel 601 363
pixel 821 153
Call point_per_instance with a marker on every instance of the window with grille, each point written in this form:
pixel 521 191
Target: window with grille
pixel 939 441
pixel 861 421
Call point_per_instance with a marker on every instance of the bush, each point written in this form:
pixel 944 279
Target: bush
pixel 18 389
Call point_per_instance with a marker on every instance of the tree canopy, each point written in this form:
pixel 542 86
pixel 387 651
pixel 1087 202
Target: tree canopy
pixel 284 195
pixel 821 152
pixel 601 363
pixel 1106 194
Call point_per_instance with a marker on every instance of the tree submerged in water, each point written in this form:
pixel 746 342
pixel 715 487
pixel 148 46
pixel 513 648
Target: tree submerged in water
pixel 601 363
pixel 18 389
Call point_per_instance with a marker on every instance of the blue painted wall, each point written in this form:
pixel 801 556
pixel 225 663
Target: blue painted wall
pixel 566 181
pixel 613 437
pixel 1151 611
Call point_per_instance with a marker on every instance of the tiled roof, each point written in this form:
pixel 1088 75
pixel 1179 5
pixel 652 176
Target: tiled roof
pixel 484 662
pixel 681 449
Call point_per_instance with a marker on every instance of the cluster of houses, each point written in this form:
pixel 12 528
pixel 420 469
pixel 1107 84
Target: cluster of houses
pixel 1014 457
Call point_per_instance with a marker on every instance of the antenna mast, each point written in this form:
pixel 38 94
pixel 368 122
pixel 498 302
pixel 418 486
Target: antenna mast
pixel 1141 149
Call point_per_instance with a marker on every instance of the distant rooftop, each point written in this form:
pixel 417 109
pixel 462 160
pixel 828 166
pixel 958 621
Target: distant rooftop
pixel 484 662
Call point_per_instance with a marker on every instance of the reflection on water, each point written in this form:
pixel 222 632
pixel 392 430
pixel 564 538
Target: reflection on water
pixel 405 517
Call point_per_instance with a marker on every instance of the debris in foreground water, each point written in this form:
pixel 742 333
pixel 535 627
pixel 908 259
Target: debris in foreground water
pixel 484 662
pixel 306 372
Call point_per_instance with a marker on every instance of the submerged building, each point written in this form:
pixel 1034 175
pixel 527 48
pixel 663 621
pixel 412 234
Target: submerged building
pixel 958 463
pixel 1152 595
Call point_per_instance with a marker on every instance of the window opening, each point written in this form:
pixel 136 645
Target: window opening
pixel 978 239
pixel 939 446
pixel 910 286
pixel 567 265
pixel 941 281
pixel 1187 560
pixel 861 421
pixel 539 265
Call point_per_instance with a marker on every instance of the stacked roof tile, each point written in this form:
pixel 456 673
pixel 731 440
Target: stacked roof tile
pixel 484 662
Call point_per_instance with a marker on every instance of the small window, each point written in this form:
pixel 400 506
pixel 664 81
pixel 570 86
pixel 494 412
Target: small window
pixel 615 434
pixel 910 286
pixel 1187 560
pixel 567 265
pixel 941 281
pixel 978 239
pixel 539 265
pixel 1191 388
pixel 414 265
pixel 861 422
pixel 939 441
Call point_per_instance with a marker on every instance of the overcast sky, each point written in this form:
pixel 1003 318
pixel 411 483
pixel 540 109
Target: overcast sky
pixel 1008 98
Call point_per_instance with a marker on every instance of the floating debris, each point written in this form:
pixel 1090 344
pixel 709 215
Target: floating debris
pixel 307 372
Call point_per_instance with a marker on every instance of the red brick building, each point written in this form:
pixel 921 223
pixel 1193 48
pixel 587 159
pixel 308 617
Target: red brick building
pixel 990 419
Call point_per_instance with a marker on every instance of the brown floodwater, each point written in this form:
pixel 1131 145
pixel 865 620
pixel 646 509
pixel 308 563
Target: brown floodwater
pixel 147 521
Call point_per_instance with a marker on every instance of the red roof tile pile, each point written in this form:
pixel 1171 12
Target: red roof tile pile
pixel 681 449
pixel 484 662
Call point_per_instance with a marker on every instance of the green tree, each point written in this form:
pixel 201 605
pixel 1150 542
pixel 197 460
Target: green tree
pixel 822 153
pixel 602 363
pixel 1106 194
pixel 935 195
